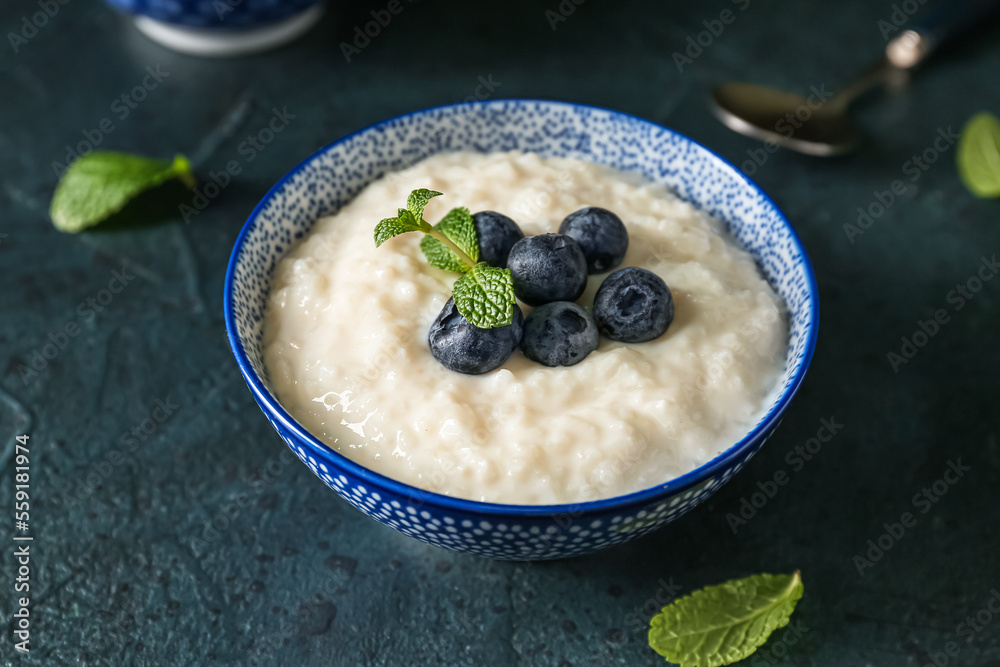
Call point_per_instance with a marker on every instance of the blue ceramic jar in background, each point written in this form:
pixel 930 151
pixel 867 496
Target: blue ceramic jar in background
pixel 221 27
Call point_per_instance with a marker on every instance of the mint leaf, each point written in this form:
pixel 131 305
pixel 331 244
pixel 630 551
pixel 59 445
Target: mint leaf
pixel 459 227
pixel 978 155
pixel 721 624
pixel 418 199
pixel 100 183
pixel 485 296
pixel 404 222
pixel 440 256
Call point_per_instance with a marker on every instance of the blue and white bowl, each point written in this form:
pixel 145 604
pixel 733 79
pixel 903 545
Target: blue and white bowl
pixel 221 27
pixel 329 178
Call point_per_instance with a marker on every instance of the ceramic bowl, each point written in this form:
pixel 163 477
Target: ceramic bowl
pixel 221 27
pixel 329 178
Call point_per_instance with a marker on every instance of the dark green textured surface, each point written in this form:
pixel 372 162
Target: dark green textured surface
pixel 119 577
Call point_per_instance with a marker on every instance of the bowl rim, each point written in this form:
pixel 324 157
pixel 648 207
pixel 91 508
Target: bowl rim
pixel 270 404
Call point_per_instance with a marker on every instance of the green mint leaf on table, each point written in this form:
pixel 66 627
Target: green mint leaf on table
pixel 485 296
pixel 979 155
pixel 100 183
pixel 418 199
pixel 722 624
pixel 460 229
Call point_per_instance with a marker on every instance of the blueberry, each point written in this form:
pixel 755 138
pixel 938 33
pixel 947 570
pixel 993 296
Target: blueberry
pixel 464 347
pixel 547 267
pixel 601 234
pixel 560 333
pixel 633 305
pixel 497 235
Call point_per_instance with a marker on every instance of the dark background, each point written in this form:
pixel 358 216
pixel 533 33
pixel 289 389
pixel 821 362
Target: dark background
pixel 124 570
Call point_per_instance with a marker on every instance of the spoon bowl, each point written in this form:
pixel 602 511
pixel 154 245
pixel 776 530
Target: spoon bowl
pixel 824 128
pixel 806 125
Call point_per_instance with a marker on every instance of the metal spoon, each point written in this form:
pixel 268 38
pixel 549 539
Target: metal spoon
pixel 823 127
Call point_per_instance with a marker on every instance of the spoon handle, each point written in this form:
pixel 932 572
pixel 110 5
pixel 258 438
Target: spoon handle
pixel 948 20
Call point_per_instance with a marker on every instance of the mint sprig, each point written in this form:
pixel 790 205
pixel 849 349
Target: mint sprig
pixel 100 183
pixel 484 295
pixel 460 228
pixel 720 625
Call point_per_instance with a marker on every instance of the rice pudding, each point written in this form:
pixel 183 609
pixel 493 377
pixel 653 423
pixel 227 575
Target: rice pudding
pixel 345 344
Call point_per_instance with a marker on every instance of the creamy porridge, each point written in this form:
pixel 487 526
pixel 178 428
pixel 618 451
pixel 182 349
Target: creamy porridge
pixel 346 344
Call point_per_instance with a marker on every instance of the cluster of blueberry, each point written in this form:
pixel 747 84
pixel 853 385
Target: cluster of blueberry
pixel 549 272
